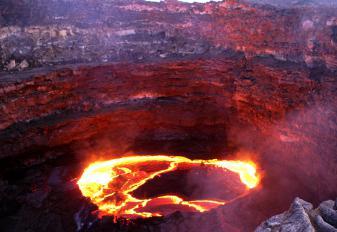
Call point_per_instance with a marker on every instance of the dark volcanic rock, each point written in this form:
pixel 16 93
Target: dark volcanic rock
pixel 302 217
pixel 62 107
pixel 296 219
pixel 43 32
pixel 201 80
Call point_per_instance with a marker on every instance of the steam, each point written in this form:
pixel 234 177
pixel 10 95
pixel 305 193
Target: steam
pixel 188 1
pixel 298 158
pixel 289 3
pixel 280 3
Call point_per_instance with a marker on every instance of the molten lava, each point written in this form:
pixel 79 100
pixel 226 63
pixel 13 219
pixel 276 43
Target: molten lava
pixel 110 184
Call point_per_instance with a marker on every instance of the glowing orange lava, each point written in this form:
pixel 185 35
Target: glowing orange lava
pixel 109 184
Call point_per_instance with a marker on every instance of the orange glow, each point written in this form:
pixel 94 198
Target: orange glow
pixel 109 184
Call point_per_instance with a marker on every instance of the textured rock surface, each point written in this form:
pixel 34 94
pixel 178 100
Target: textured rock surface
pixel 61 107
pixel 199 80
pixel 302 217
pixel 296 219
pixel 42 32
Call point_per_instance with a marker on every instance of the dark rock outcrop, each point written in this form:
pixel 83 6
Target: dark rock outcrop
pixel 302 217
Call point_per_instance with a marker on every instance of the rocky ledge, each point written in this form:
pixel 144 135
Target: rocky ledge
pixel 47 33
pixel 301 216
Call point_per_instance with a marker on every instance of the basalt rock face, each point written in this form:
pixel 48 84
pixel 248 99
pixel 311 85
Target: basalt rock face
pixel 125 101
pixel 202 80
pixel 41 32
pixel 139 103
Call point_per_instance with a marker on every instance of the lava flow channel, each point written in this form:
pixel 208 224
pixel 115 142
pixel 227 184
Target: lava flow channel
pixel 109 184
